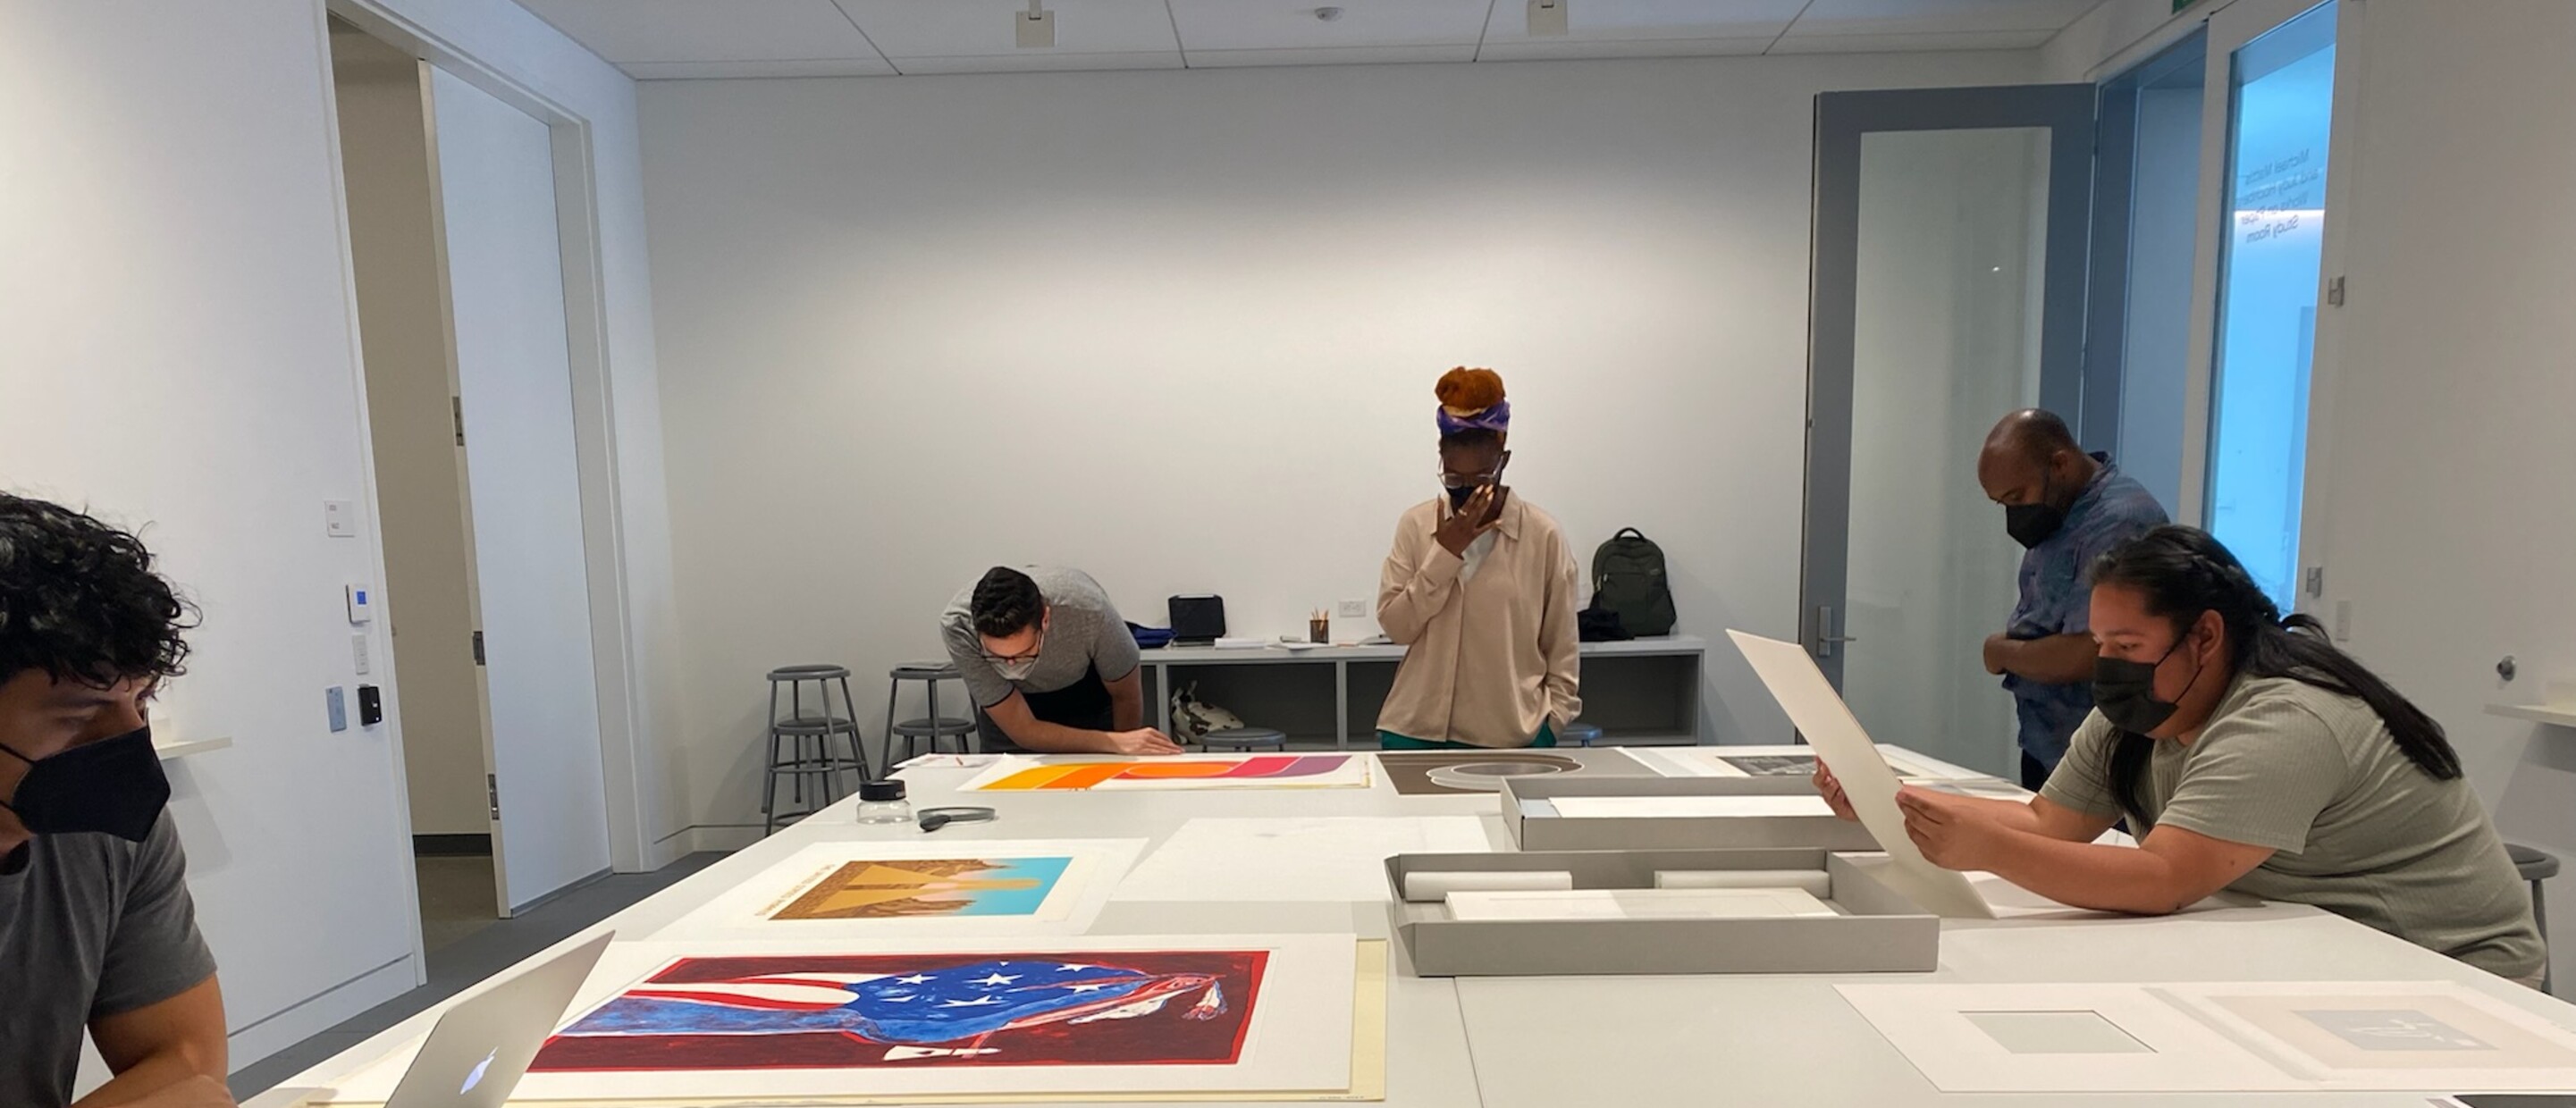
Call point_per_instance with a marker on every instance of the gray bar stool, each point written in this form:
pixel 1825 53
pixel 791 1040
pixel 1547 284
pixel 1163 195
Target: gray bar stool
pixel 806 732
pixel 1578 734
pixel 929 728
pixel 2537 865
pixel 1245 739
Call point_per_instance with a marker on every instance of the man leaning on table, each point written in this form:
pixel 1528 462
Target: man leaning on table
pixel 1051 665
pixel 97 931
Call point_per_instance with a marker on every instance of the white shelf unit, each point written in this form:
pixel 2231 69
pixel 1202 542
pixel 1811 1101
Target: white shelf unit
pixel 1639 692
pixel 186 747
pixel 2555 715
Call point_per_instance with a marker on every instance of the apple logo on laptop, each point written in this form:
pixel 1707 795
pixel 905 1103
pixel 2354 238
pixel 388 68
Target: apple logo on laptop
pixel 480 1068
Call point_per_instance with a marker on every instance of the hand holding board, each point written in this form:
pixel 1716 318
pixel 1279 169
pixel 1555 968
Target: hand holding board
pixel 1830 727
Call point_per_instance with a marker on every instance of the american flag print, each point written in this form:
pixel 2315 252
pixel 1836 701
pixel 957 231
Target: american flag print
pixel 868 1011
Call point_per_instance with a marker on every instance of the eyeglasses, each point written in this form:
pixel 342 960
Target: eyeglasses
pixel 1029 655
pixel 1450 480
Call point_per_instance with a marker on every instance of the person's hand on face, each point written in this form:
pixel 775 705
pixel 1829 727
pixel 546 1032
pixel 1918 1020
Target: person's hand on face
pixel 1832 790
pixel 1472 519
pixel 1950 832
pixel 1142 741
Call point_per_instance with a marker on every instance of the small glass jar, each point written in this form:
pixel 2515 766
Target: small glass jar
pixel 883 802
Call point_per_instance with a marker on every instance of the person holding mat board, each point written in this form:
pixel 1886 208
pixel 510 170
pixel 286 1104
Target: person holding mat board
pixel 2247 753
pixel 1051 665
pixel 1480 591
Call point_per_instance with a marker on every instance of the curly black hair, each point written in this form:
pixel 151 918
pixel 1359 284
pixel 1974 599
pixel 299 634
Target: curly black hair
pixel 79 599
pixel 1006 602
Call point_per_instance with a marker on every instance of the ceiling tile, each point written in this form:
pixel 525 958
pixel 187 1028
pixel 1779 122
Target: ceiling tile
pixel 960 28
pixel 1907 17
pixel 1287 24
pixel 1537 49
pixel 1036 61
pixel 624 31
pixel 1889 44
pixel 1634 20
pixel 1335 55
pixel 870 66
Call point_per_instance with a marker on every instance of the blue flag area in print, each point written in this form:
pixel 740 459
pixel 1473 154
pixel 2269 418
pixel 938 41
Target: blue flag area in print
pixel 752 1012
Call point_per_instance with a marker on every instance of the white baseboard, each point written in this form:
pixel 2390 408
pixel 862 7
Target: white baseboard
pixel 323 1011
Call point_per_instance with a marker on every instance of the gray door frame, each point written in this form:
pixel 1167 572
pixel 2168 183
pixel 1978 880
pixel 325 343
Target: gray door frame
pixel 2067 111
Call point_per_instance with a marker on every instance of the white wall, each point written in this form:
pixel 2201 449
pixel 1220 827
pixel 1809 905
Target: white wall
pixel 1180 329
pixel 2438 493
pixel 176 349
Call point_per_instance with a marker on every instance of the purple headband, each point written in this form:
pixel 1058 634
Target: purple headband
pixel 1497 419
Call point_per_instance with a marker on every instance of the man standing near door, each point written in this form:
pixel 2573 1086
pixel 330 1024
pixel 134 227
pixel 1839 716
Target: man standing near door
pixel 1051 665
pixel 97 930
pixel 2066 508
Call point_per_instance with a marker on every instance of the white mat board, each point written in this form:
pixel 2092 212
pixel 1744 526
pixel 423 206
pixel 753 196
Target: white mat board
pixel 1299 1038
pixel 1294 858
pixel 1093 870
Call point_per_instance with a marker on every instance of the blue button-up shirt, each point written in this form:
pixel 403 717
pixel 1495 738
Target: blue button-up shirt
pixel 2055 600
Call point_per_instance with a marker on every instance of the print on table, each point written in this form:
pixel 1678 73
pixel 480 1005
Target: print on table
pixel 1410 771
pixel 1284 769
pixel 921 1010
pixel 1774 765
pixel 2392 1029
pixel 928 887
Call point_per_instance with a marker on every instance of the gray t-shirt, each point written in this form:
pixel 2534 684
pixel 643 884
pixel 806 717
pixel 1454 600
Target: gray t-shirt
pixel 1084 630
pixel 90 926
pixel 2356 828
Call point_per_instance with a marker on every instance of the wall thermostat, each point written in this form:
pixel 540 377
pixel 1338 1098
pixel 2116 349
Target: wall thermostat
pixel 362 604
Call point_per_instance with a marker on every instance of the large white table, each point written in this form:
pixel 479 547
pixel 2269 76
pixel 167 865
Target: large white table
pixel 1628 1041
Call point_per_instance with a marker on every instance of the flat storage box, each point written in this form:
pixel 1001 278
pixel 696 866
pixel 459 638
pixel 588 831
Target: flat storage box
pixel 1554 832
pixel 1878 930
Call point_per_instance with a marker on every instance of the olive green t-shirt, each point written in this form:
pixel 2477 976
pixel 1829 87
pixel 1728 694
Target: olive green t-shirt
pixel 2355 827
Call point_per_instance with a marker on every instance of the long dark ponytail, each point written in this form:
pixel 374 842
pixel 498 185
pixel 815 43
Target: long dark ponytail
pixel 2182 572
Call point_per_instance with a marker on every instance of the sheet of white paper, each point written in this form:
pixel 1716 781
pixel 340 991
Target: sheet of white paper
pixel 1294 858
pixel 1106 773
pixel 1637 904
pixel 2394 1035
pixel 1299 1037
pixel 1828 724
pixel 1092 869
pixel 1688 807
pixel 1937 1029
pixel 1711 761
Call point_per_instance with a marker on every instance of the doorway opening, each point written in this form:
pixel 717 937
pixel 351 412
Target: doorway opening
pixel 467 352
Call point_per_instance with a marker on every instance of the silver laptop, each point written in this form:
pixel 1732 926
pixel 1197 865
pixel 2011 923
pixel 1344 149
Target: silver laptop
pixel 482 1047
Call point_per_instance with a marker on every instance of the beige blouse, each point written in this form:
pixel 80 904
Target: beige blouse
pixel 1490 655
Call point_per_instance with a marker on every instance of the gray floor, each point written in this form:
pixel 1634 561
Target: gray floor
pixel 467 944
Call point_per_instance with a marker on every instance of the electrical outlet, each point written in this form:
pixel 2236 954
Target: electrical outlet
pixel 2343 621
pixel 1353 609
pixel 358 652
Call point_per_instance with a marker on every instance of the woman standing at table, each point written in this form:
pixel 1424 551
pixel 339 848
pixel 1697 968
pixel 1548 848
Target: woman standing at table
pixel 1480 591
pixel 2250 754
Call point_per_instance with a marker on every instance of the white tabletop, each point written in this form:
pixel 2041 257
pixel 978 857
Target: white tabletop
pixel 1629 1041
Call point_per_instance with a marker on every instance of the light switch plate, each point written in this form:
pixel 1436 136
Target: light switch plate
pixel 358 653
pixel 335 700
pixel 340 519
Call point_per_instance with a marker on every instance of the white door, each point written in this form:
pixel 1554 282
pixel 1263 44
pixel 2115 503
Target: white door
pixel 496 180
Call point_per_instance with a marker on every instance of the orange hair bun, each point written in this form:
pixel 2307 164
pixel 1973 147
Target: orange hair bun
pixel 1465 392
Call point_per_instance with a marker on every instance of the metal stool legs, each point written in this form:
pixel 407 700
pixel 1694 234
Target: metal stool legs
pixel 807 739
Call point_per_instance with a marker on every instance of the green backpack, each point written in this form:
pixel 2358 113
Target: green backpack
pixel 1628 578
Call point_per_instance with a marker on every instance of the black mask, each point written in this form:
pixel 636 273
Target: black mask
pixel 2032 524
pixel 1458 498
pixel 2125 691
pixel 112 786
